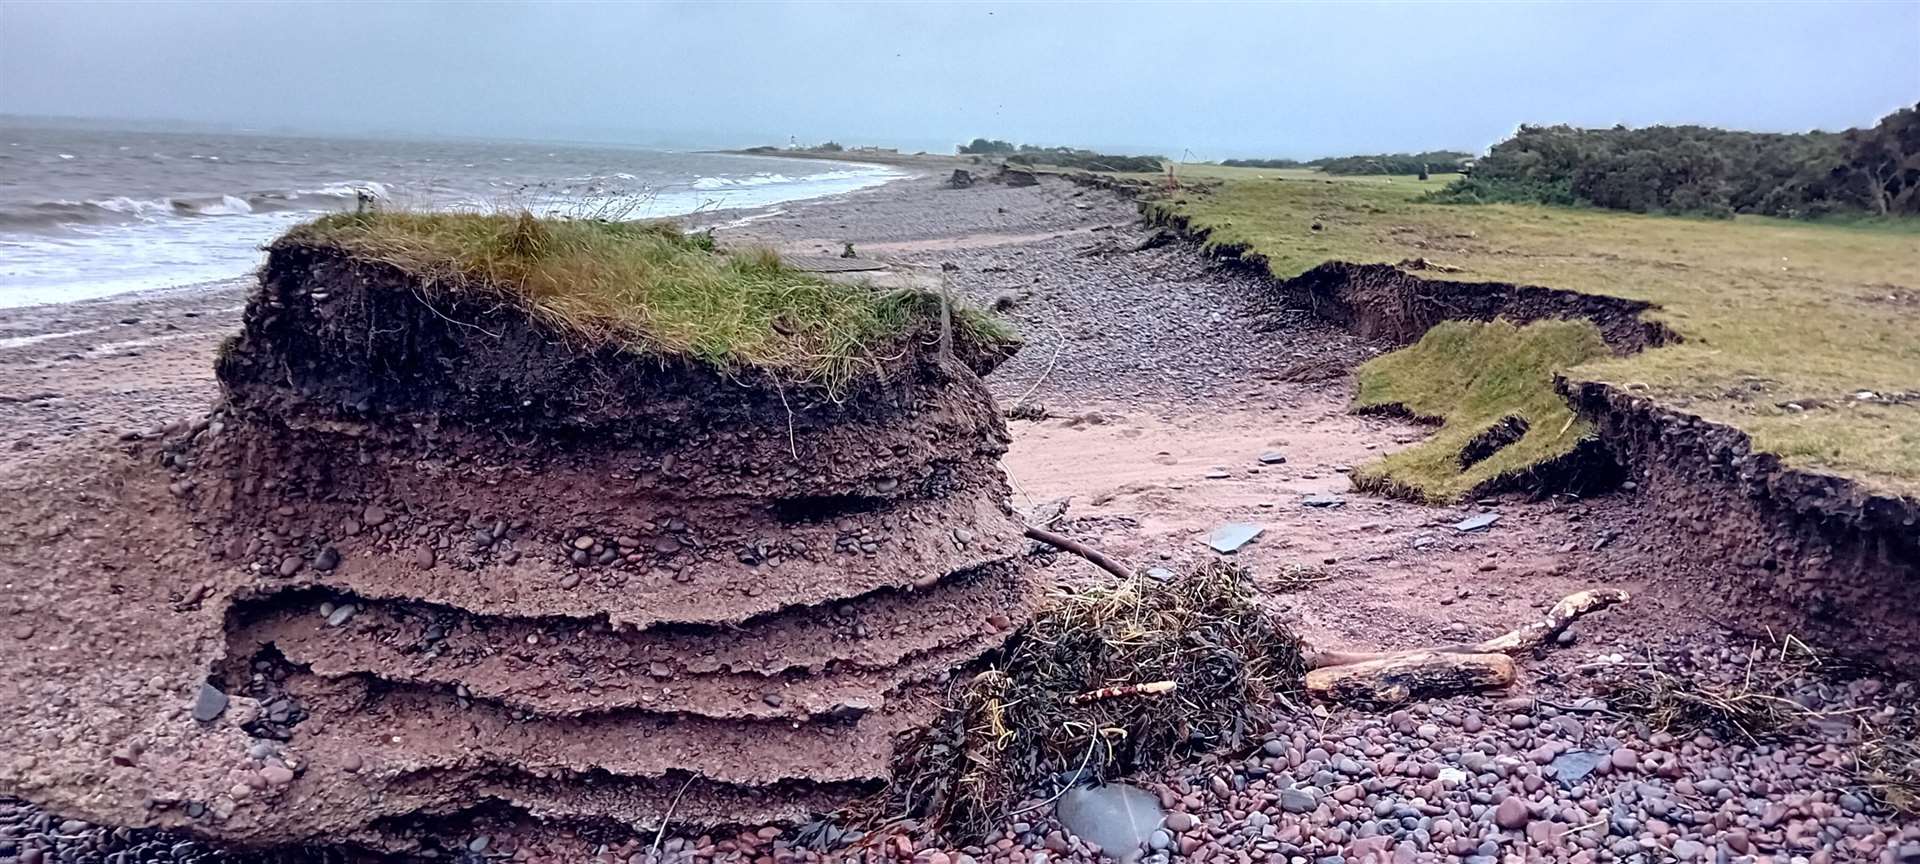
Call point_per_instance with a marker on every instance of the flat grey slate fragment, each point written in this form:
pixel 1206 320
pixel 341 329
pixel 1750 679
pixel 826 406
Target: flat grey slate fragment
pixel 1273 457
pixel 1573 766
pixel 209 703
pixel 1227 539
pixel 1218 474
pixel 1323 500
pixel 1476 522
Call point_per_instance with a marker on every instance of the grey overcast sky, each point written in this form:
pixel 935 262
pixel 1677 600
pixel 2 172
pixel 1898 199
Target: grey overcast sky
pixel 1219 79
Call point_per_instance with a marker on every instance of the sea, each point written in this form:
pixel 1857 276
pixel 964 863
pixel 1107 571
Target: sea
pixel 90 212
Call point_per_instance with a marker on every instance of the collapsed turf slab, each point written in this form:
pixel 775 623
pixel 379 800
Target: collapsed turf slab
pixel 569 564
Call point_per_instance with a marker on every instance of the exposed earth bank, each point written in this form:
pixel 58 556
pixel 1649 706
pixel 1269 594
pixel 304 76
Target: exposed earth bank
pixel 1165 379
pixel 1819 556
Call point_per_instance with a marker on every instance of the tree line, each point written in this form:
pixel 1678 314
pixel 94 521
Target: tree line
pixel 1065 157
pixel 1443 161
pixel 1701 170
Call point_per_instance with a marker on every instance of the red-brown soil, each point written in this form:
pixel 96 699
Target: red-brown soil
pixel 1157 367
pixel 428 553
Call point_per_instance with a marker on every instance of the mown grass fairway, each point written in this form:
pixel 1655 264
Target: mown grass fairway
pixel 1787 325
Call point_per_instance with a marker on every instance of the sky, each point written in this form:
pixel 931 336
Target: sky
pixel 1194 80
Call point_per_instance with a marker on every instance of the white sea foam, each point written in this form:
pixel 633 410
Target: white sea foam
pixel 137 243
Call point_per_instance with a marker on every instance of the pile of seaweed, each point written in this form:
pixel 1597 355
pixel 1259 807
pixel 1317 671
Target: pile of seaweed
pixel 1109 679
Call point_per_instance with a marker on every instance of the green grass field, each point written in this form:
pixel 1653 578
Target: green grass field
pixel 1785 323
pixel 653 290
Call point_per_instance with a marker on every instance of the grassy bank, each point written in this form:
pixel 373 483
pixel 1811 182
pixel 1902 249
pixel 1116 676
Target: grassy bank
pixel 1786 324
pixel 650 288
pixel 1482 380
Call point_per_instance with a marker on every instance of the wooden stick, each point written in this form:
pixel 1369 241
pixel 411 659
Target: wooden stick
pixel 1515 641
pixel 1151 688
pixel 1098 558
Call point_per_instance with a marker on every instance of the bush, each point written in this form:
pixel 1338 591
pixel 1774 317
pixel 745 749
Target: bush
pixel 985 147
pixel 1086 160
pixel 1393 163
pixel 1264 163
pixel 1705 171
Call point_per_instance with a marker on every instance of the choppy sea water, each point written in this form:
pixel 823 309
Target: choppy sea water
pixel 91 213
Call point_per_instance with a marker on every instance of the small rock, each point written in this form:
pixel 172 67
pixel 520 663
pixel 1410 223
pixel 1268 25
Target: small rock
pixel 1625 759
pixel 1476 522
pixel 328 559
pixel 342 614
pixel 291 565
pixel 1323 500
pixel 1512 814
pixel 1273 457
pixel 209 703
pixel 1298 801
pixel 1573 766
pixel 423 557
pixel 277 775
pixel 373 516
pixel 1228 538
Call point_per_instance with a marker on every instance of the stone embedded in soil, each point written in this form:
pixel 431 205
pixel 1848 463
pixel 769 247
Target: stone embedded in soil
pixel 1323 501
pixel 1227 539
pixel 208 703
pixel 1476 522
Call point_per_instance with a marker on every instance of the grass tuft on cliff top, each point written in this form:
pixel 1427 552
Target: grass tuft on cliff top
pixel 653 289
pixel 1473 377
pixel 1787 325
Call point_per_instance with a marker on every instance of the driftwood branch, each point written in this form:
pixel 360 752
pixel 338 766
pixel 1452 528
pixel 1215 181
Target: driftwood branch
pixel 1516 641
pixel 1098 558
pixel 1395 677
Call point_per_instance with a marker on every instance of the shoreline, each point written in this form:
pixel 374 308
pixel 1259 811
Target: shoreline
pixel 1161 377
pixel 694 210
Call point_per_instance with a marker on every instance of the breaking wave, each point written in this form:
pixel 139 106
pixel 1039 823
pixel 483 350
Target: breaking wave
pixel 121 209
